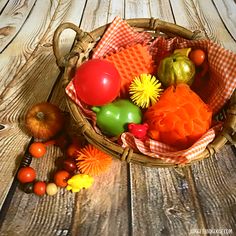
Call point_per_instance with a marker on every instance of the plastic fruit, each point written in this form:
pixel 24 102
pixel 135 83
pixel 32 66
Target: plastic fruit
pixel 40 188
pixel 44 120
pixel 79 181
pixel 37 149
pixel 97 82
pixel 61 177
pixel 138 130
pixel 26 174
pixel 176 69
pixel 197 56
pixel 113 118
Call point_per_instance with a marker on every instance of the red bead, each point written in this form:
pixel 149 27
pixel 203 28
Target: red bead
pixel 61 177
pixel 26 174
pixel 69 165
pixel 37 149
pixel 40 188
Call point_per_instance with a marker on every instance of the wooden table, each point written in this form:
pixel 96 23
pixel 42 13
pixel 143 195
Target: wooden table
pixel 129 199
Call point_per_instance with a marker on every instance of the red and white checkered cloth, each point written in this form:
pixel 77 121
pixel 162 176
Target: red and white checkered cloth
pixel 119 34
pixel 222 66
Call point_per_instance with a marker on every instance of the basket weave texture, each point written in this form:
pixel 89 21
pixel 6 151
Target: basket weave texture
pixel 82 50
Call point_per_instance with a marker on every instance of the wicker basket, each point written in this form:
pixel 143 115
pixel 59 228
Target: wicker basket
pixel 81 49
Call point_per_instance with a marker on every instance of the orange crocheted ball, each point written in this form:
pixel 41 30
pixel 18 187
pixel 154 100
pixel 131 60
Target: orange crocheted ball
pixel 180 117
pixel 92 161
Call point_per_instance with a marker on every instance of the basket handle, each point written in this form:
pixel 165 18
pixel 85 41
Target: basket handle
pixel 60 60
pixel 171 28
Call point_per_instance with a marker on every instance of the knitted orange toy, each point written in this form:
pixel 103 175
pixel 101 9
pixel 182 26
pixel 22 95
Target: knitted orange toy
pixel 92 161
pixel 131 62
pixel 179 118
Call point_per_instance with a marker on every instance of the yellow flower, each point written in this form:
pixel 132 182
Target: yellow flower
pixel 79 181
pixel 145 90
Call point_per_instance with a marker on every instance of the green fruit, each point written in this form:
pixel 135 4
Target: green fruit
pixel 176 69
pixel 114 118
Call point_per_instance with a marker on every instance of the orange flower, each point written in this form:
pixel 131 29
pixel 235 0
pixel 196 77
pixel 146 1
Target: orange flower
pixel 92 161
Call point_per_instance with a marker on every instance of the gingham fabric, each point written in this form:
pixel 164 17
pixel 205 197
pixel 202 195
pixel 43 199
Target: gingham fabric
pixel 119 34
pixel 222 66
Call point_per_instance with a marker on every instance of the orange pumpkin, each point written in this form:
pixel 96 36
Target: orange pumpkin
pixel 44 120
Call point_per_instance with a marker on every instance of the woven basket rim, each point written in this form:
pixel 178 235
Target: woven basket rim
pixel 84 43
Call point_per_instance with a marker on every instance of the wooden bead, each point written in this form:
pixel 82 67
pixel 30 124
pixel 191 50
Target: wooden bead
pixel 51 189
pixel 28 187
pixel 26 161
pixel 39 188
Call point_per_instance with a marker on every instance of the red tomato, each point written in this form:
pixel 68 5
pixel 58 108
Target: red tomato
pixel 40 188
pixel 97 82
pixel 26 175
pixel 197 56
pixel 61 177
pixel 37 149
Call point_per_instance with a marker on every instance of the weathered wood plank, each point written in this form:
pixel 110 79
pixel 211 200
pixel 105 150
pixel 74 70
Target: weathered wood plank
pixel 95 14
pixel 227 11
pixel 103 209
pixel 16 55
pixel 195 15
pixel 215 180
pixel 3 4
pixel 161 9
pixel 116 8
pixel 30 85
pixel 163 196
pixel 133 9
pixel 12 19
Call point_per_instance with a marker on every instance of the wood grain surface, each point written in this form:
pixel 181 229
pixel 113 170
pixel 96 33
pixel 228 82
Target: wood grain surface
pixel 128 199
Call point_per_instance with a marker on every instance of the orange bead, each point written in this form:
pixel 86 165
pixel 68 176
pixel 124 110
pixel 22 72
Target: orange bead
pixel 37 149
pixel 61 177
pixel 40 188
